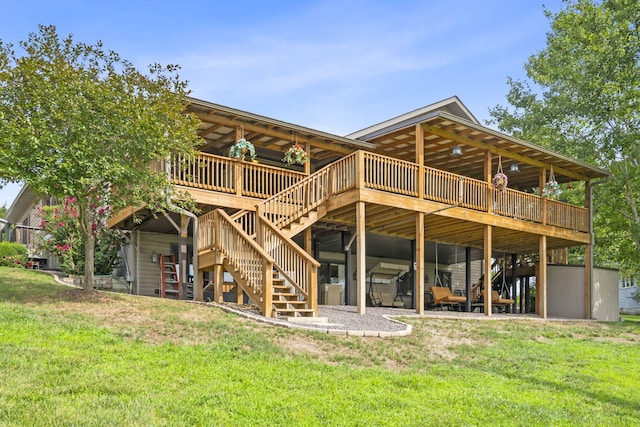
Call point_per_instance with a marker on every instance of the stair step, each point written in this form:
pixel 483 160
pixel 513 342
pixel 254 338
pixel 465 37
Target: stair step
pixel 286 294
pixel 281 302
pixel 304 312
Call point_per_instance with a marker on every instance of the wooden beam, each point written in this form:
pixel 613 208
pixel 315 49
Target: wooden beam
pixel 497 150
pixel 284 135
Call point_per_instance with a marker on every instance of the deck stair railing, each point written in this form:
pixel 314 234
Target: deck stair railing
pixel 244 259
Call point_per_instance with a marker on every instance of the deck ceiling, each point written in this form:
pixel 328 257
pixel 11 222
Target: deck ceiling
pixel 397 222
pixel 443 130
pixel 270 137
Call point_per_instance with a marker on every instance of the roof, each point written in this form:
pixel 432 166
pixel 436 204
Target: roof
pixel 451 105
pixel 271 137
pixel 447 124
pixel 23 202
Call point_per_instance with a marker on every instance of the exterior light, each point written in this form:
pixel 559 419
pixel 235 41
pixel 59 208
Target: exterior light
pixel 456 151
pixel 514 168
pixel 154 257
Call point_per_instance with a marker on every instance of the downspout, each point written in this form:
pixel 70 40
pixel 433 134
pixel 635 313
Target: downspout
pixel 196 278
pixel 592 238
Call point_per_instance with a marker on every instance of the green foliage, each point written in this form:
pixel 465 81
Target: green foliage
pixel 61 235
pixel 155 367
pixel 13 254
pixel 583 99
pixel 3 210
pixel 79 121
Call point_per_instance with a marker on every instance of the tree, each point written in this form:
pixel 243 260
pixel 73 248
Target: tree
pixel 60 235
pixel 78 121
pixel 583 99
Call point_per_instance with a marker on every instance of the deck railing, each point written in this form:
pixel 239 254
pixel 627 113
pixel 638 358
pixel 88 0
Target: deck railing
pixel 226 175
pixel 292 194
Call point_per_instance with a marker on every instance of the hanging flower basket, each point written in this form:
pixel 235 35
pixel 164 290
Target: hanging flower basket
pixel 551 189
pixel 241 149
pixel 295 155
pixel 500 181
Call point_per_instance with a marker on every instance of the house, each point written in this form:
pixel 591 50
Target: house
pixel 410 201
pixel 22 221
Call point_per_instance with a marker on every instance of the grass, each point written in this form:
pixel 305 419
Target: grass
pixel 72 358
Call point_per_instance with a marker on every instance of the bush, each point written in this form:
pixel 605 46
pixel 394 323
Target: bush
pixel 13 254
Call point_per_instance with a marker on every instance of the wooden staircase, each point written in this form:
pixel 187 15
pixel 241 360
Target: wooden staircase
pixel 262 240
pixel 169 282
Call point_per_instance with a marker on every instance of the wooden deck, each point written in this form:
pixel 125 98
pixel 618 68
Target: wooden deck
pixel 391 184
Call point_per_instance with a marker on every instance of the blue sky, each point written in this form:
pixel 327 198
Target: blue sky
pixel 336 65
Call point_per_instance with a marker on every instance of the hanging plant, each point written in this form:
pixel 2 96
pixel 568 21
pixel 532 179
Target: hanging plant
pixel 500 179
pixel 241 149
pixel 295 155
pixel 551 188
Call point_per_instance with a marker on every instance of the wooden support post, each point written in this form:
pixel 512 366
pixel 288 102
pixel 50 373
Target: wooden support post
pixel 488 178
pixel 348 273
pixel 307 165
pixel 588 253
pixel 420 252
pixel 267 276
pixel 420 159
pixel 239 177
pixel 488 232
pixel 182 255
pixel 308 242
pixel 542 180
pixel 360 175
pixel 414 265
pixel 527 295
pixel 541 279
pixel 467 277
pixel 514 279
pixel 218 281
pixel 361 263
pixel 239 166
pixel 198 283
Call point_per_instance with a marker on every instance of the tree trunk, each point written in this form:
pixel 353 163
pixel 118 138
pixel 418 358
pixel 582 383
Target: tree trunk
pixel 89 245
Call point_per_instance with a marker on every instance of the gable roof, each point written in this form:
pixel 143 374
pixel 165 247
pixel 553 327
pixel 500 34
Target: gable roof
pixel 451 105
pixel 448 123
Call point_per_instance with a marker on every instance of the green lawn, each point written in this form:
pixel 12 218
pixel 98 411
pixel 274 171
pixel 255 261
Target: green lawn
pixel 68 358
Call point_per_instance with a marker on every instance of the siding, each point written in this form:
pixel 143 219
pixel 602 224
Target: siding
pixel 149 272
pixel 627 303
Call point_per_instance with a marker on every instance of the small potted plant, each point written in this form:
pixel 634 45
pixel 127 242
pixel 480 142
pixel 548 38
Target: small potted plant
pixel 241 149
pixel 500 181
pixel 295 155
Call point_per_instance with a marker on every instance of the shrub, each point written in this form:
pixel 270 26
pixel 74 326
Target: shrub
pixel 13 254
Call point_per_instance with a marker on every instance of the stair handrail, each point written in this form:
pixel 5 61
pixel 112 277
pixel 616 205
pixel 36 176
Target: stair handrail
pixel 301 198
pixel 294 264
pixel 241 252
